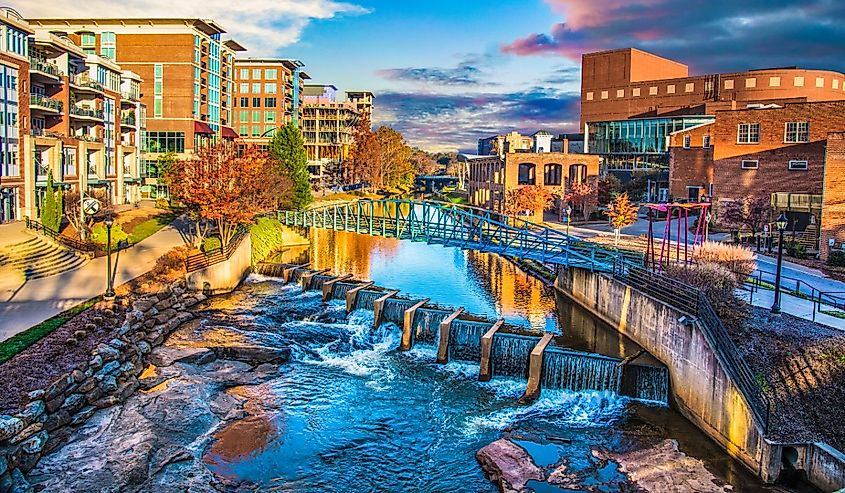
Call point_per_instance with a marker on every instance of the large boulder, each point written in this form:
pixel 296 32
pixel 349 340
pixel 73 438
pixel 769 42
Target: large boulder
pixel 508 465
pixel 166 356
pixel 10 426
pixel 253 354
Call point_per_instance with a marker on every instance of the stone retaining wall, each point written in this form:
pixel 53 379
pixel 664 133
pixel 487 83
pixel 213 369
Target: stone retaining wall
pixel 224 276
pixel 107 379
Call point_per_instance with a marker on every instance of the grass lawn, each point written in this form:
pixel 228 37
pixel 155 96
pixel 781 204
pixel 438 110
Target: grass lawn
pixel 17 343
pixel 151 226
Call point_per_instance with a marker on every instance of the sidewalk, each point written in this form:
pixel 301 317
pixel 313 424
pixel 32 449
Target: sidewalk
pixel 40 299
pixel 792 305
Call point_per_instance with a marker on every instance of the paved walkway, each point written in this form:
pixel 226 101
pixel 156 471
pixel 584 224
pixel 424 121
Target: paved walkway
pixel 39 299
pixel 792 305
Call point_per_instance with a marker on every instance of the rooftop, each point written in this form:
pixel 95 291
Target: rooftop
pixel 206 26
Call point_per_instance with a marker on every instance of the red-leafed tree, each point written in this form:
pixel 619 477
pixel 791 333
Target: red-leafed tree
pixel 223 186
pixel 583 196
pixel 751 212
pixel 621 213
pixel 532 199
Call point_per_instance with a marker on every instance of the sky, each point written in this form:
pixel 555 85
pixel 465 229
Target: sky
pixel 447 72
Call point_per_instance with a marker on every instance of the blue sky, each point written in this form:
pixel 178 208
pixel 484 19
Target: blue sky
pixel 448 72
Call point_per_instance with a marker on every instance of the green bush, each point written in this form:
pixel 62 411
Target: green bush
pixel 795 249
pixel 162 203
pixel 266 236
pixel 211 244
pixel 99 234
pixel 836 258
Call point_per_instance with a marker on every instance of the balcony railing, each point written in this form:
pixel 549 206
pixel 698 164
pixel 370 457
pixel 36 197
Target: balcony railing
pixel 128 120
pixel 85 112
pixel 796 201
pixel 40 132
pixel 44 66
pixel 88 138
pixel 86 82
pixel 130 96
pixel 45 102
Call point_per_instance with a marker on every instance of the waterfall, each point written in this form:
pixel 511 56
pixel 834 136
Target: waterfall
pixel 317 282
pixel 579 371
pixel 394 310
pixel 340 289
pixel 426 324
pixel 297 275
pixel 270 269
pixel 465 339
pixel 366 299
pixel 511 353
pixel 649 383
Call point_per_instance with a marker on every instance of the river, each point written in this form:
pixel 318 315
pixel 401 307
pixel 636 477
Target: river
pixel 350 413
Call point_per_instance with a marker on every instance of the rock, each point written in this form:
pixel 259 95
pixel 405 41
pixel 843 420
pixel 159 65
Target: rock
pixel 32 411
pixel 74 403
pixel 96 362
pixel 57 420
pixel 108 384
pixel 165 316
pixel 107 352
pixel 200 297
pixel 19 484
pixel 117 344
pixel 57 437
pixel 35 394
pixel 254 354
pixel 57 387
pixel 150 323
pixel 26 433
pixel 28 461
pixel 108 369
pixel 561 478
pixel 87 385
pixel 54 404
pixel 144 347
pixel 82 416
pixel 77 376
pixel 142 305
pixel 10 426
pixel 508 465
pixel 107 401
pixel 93 395
pixel 166 356
pixel 165 303
pixel 4 464
pixel 35 443
pixel 126 369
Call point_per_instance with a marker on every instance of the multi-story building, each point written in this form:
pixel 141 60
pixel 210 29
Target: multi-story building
pixel 502 144
pixel 492 177
pixel 631 101
pixel 14 108
pixel 187 69
pixel 363 101
pixel 783 152
pixel 327 128
pixel 268 95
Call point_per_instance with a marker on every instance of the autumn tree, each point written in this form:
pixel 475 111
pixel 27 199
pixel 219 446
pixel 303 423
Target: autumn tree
pixel 607 188
pixel 72 205
pixel 533 199
pixel 583 196
pixel 751 212
pixel 287 149
pixel 221 186
pixel 423 163
pixel 393 166
pixel 621 213
pixel 363 152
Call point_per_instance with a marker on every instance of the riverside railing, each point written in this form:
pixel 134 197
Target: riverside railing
pixel 60 238
pixel 201 260
pixel 798 288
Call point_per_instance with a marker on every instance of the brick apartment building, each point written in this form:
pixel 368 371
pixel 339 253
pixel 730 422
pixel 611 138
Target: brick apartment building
pixel 363 101
pixel 268 95
pixel 70 114
pixel 187 70
pixel 491 177
pixel 632 101
pixel 327 128
pixel 786 152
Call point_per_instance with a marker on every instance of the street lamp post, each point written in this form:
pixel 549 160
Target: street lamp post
pixel 109 289
pixel 781 222
pixel 568 212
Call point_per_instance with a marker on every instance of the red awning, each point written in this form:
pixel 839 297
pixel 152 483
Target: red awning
pixel 228 133
pixel 203 128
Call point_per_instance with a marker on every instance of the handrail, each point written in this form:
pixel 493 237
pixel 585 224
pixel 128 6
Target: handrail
pixel 201 260
pixel 59 238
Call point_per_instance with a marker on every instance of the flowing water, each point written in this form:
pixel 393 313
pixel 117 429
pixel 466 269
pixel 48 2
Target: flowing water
pixel 350 413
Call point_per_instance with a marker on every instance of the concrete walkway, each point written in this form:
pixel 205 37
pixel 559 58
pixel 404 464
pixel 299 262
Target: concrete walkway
pixel 792 305
pixel 37 300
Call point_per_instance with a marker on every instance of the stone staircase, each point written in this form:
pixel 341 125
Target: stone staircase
pixel 37 257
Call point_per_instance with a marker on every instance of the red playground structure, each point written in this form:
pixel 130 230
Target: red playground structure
pixel 682 211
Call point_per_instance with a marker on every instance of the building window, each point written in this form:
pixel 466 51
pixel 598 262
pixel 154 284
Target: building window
pixel 774 81
pixel 269 102
pixel 526 174
pixel 88 43
pixel 635 92
pixel 690 87
pixel 835 83
pixel 705 142
pixel 270 116
pixel 604 94
pixel 729 84
pixel 158 109
pixel 256 130
pixel 552 175
pixel 244 130
pixel 244 115
pixel 797 132
pixel 256 102
pixel 749 133
pixel 670 89
pixel 244 88
pixel 244 73
pixel 620 93
pixel 256 88
pixel 749 164
pixel 270 87
pixel 652 91
pixel 799 82
pixel 589 96
pixel 165 142
pixel 256 74
pixel 270 74
pixel 750 82
pixel 820 82
pixel 268 129
pixel 107 45
pixel 797 165
pixel 687 141
pixel 244 102
pixel 158 70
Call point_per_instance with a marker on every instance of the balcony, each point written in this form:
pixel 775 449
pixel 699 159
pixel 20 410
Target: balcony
pixel 85 113
pixel 83 83
pixel 40 132
pixel 44 103
pixel 127 120
pixel 46 69
pixel 89 138
pixel 130 96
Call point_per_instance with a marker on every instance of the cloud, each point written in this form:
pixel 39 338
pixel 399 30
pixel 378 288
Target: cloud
pixel 472 70
pixel 263 27
pixel 446 122
pixel 565 74
pixel 711 35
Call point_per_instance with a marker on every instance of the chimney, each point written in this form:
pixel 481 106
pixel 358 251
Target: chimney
pixel 565 146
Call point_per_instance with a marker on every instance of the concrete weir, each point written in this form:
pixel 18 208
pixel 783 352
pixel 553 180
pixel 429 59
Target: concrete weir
pixel 535 370
pixel 408 326
pixel 306 279
pixel 485 371
pixel 352 295
pixel 288 273
pixel 445 327
pixel 329 285
pixel 378 307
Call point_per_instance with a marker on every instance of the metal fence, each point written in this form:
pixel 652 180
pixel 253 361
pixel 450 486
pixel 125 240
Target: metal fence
pixel 202 260
pixel 60 238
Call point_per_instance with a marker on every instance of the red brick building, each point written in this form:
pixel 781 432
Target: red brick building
pixel 788 153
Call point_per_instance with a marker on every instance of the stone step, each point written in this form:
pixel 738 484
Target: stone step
pixel 22 248
pixel 39 257
pixel 58 269
pixel 49 251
